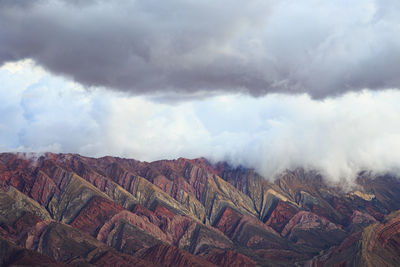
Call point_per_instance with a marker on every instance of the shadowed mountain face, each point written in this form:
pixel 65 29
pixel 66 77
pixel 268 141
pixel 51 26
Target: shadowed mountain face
pixel 70 210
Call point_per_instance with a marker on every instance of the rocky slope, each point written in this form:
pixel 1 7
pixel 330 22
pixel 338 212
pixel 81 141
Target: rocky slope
pixel 66 209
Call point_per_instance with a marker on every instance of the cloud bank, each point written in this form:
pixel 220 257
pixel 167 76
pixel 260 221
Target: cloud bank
pixel 199 48
pixel 337 136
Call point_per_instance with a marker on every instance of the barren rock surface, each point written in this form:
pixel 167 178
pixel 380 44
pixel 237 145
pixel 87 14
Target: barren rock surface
pixel 68 209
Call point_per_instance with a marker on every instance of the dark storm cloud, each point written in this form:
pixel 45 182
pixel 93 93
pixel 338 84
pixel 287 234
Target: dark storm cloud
pixel 195 47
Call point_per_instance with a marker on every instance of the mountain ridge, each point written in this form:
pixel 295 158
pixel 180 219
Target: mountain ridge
pixel 190 213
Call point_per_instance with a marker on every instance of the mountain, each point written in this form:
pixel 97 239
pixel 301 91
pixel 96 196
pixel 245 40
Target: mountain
pixel 70 210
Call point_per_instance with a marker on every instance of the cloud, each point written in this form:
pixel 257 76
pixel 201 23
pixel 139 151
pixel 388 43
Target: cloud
pixel 337 136
pixel 183 49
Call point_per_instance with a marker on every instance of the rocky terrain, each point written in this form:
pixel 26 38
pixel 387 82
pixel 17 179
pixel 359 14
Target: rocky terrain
pixel 70 210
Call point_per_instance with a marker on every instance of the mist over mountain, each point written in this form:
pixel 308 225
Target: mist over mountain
pixel 337 136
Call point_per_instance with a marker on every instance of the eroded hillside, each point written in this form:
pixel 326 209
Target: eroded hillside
pixel 66 209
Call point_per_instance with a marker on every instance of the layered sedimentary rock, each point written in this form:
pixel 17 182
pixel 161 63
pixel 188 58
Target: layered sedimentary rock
pixel 80 211
pixel 308 228
pixel 381 242
pixel 12 255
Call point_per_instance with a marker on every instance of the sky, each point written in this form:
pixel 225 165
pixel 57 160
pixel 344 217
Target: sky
pixel 270 85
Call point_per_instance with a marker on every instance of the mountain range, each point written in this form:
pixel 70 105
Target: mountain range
pixel 71 210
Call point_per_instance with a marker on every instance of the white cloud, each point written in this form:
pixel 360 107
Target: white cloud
pixel 338 136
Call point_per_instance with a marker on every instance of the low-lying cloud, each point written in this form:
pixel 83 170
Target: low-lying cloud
pixel 337 136
pixel 198 48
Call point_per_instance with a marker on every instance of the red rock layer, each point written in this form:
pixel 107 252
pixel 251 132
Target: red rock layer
pixel 94 215
pixel 305 220
pixel 12 255
pixel 171 256
pixel 110 258
pixel 228 258
pixel 386 233
pixel 231 223
pixel 280 216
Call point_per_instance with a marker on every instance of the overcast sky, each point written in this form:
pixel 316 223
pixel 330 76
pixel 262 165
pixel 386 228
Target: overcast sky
pixel 266 84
